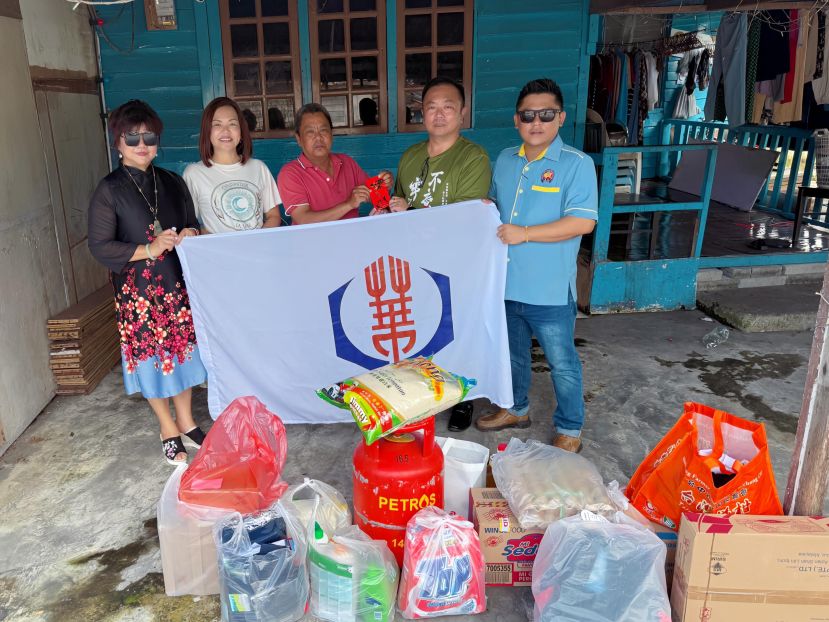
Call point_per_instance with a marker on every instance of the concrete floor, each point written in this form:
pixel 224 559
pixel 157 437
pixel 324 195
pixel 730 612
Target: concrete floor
pixel 78 489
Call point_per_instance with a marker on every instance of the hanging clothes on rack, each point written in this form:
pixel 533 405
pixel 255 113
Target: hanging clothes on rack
pixel 679 43
pixel 643 98
pixel 781 100
pixel 794 38
pixel 638 98
pixel 703 68
pixel 818 62
pixel 791 108
pixel 815 46
pixel 597 91
pixel 774 45
pixel 624 87
pixel 688 75
pixel 729 70
pixel 752 57
pixel 651 67
pixel 613 86
pixel 774 61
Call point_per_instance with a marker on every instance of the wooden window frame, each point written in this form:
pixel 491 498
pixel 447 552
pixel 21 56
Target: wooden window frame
pixel 466 47
pixel 296 76
pixel 349 91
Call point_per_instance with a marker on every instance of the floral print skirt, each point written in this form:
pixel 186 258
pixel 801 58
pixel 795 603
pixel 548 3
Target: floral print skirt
pixel 159 352
pixel 147 379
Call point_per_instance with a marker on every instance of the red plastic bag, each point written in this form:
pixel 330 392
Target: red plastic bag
pixel 710 462
pixel 443 567
pixel 239 463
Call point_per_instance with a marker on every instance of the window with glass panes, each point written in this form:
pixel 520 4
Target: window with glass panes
pixel 434 38
pixel 348 63
pixel 261 56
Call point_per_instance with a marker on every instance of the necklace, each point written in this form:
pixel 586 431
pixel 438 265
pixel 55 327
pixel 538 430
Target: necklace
pixel 153 208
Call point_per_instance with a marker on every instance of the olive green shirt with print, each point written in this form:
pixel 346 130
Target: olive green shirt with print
pixel 461 173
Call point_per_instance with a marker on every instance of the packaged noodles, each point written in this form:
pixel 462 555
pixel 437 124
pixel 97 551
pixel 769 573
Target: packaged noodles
pixel 387 398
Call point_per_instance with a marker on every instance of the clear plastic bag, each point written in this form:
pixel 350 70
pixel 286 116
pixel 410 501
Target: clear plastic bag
pixel 589 569
pixel 262 567
pixel 185 535
pixel 239 464
pixel 353 578
pixel 389 397
pixel 543 483
pixel 315 502
pixel 443 567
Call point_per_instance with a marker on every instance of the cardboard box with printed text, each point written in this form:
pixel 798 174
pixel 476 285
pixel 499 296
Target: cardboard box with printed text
pixel 509 549
pixel 758 568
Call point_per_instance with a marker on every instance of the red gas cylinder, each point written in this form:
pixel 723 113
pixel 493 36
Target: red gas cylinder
pixel 393 479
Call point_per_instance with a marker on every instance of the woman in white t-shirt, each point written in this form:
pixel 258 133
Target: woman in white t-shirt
pixel 231 190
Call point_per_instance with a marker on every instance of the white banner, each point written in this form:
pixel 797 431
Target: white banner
pixel 280 313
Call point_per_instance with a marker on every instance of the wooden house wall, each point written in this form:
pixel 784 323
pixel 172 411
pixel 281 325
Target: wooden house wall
pixel 179 71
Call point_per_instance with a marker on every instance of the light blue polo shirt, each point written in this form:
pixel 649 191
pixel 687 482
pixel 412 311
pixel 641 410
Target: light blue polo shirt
pixel 559 182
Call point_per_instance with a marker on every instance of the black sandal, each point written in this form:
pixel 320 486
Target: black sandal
pixel 195 437
pixel 171 447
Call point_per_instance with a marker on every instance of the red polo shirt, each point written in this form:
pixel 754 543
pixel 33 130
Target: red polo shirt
pixel 301 183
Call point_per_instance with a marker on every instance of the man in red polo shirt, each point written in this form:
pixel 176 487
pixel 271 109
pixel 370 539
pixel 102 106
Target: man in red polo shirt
pixel 321 186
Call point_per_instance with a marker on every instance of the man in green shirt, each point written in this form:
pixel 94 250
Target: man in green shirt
pixel 446 168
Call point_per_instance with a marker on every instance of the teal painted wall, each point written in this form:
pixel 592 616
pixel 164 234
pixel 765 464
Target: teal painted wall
pixel 177 72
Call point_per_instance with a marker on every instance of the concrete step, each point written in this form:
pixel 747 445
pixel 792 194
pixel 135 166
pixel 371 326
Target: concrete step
pixel 759 276
pixel 763 309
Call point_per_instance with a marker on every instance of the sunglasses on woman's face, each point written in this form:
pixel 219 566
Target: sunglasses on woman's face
pixel 547 115
pixel 131 139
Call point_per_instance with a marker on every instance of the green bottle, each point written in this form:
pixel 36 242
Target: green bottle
pixel 375 597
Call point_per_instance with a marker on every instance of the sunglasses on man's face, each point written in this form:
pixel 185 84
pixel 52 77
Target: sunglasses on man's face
pixel 547 115
pixel 131 139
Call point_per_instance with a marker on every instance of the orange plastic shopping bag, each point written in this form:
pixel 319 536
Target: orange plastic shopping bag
pixel 239 464
pixel 710 462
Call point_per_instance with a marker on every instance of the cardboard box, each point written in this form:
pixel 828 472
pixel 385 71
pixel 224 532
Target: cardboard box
pixel 668 536
pixel 758 568
pixel 509 549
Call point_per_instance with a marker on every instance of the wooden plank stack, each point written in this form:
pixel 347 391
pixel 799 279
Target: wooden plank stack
pixel 84 343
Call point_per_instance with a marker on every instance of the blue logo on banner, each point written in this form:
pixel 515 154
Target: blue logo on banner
pixel 388 285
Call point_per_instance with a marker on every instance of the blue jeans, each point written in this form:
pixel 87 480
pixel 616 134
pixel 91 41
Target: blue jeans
pixel 554 327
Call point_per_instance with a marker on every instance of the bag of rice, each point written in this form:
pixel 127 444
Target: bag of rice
pixel 387 398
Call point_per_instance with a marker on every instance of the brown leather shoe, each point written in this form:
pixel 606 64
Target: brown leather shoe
pixel 567 443
pixel 501 420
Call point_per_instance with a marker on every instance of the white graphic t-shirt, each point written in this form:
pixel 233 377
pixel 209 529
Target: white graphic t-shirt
pixel 231 197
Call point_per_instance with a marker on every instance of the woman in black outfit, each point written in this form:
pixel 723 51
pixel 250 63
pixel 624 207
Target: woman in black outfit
pixel 137 216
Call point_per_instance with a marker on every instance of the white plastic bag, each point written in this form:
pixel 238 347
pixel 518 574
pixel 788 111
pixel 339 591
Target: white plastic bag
pixel 353 578
pixel 443 567
pixel 589 569
pixel 543 483
pixel 185 534
pixel 464 467
pixel 314 501
pixel 263 568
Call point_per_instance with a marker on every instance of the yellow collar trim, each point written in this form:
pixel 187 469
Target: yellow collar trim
pixel 522 152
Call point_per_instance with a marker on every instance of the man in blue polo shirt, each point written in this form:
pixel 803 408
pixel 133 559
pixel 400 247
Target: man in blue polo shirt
pixel 547 195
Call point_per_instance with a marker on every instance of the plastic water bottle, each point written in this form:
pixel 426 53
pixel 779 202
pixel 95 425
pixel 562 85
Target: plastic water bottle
pixel 715 337
pixel 331 569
